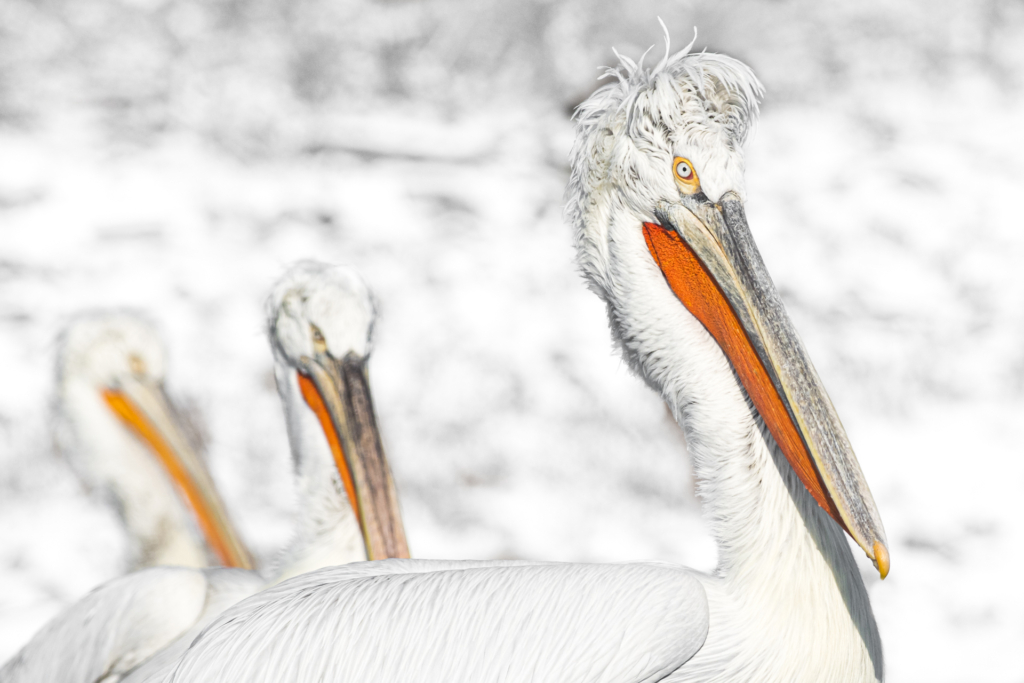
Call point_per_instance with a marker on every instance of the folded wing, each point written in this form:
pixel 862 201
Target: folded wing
pixel 458 621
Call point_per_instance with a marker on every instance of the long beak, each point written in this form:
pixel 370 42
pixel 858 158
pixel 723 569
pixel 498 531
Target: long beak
pixel 711 263
pixel 144 408
pixel 339 394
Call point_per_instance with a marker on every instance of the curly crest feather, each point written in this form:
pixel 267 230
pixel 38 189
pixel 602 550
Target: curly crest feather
pixel 698 99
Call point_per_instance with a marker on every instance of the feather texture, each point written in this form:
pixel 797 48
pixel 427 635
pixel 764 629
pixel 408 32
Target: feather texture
pixel 124 622
pixel 419 620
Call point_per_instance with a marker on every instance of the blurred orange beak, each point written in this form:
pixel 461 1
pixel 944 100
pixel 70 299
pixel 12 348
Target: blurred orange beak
pixel 146 412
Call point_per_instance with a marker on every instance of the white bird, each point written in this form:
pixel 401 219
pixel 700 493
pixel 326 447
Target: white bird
pixel 125 438
pixel 320 324
pixel 656 199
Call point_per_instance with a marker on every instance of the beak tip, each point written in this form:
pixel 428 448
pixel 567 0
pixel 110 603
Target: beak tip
pixel 881 558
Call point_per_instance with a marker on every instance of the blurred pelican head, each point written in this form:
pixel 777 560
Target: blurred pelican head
pixel 317 308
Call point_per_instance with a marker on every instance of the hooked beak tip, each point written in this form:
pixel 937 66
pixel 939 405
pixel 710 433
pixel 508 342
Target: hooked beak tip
pixel 881 559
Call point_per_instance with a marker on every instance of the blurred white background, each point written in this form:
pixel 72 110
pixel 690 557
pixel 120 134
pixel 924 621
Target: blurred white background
pixel 175 155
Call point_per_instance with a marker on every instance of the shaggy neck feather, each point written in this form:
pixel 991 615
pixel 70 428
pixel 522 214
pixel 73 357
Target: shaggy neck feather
pixel 327 532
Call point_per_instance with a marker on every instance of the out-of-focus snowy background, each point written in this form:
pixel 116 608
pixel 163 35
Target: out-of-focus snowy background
pixel 175 155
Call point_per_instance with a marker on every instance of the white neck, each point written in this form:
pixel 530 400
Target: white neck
pixel 110 458
pixel 785 574
pixel 327 532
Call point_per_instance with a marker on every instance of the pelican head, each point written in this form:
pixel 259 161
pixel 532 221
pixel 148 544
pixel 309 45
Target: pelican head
pixel 128 439
pixel 320 321
pixel 657 193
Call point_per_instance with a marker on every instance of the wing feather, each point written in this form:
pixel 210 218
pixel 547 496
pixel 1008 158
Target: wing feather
pixel 427 621
pixel 225 587
pixel 113 628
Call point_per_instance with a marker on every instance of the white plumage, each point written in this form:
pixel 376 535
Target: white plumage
pixel 439 621
pixel 786 602
pixel 131 628
pixel 127 621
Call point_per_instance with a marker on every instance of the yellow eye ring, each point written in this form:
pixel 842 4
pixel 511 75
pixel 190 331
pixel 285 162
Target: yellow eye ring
pixel 686 176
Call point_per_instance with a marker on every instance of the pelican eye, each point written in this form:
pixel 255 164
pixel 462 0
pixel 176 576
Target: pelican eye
pixel 137 365
pixel 686 177
pixel 319 343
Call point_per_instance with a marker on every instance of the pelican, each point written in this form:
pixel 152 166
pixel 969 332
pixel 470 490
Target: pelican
pixel 124 437
pixel 656 197
pixel 320 324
